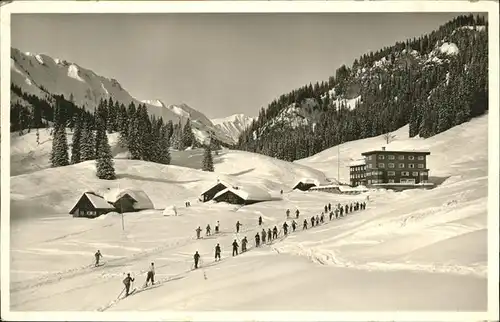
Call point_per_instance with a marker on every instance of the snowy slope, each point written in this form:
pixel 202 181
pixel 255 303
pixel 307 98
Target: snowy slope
pixel 413 250
pixel 39 74
pixel 233 125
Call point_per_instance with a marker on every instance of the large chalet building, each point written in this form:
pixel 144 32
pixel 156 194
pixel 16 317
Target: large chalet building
pixel 386 168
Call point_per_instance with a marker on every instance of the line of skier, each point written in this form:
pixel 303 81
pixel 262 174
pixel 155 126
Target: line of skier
pixel 261 238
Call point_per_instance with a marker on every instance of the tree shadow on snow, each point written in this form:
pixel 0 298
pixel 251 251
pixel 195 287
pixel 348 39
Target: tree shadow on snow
pixel 134 177
pixel 242 172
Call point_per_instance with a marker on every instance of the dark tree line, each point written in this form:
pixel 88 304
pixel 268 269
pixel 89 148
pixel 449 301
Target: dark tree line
pixel 404 87
pixel 146 137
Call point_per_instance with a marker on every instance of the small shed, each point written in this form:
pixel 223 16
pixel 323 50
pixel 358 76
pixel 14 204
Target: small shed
pixel 128 200
pixel 305 184
pixel 243 196
pixel 91 205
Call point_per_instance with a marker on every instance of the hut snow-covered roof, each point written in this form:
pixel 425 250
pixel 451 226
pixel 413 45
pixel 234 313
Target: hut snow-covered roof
pixel 308 181
pixel 98 202
pixel 248 192
pixel 141 198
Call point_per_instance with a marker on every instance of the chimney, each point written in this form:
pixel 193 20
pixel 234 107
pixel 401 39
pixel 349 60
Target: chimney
pixel 383 148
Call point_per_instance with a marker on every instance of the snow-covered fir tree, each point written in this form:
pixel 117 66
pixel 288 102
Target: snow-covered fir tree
pixel 187 135
pixel 104 164
pixel 87 151
pixel 76 142
pixel 208 161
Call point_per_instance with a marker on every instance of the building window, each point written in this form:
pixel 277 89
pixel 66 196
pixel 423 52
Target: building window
pixel 369 181
pixel 421 157
pixel 415 174
pixel 391 173
pixel 405 173
pixel 420 166
pixel 411 166
pixel 369 166
pixel 381 157
pixel 369 157
pixel 401 165
pixel 391 180
pixel 411 157
pixel 391 157
pixel 381 165
pixel 391 165
pixel 401 157
pixel 423 174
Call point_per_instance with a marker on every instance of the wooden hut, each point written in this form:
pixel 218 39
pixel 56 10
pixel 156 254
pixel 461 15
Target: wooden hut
pixel 306 183
pixel 128 200
pixel 210 192
pixel 242 195
pixel 91 205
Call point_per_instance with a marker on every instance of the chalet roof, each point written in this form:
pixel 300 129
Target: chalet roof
pixel 396 152
pixel 142 200
pixel 347 188
pixel 98 202
pixel 229 183
pixel 307 181
pixel 247 193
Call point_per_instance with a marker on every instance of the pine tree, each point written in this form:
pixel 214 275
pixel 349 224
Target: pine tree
pixel 208 162
pixel 87 143
pixel 104 164
pixel 164 157
pixel 59 155
pixel 76 142
pixel 187 135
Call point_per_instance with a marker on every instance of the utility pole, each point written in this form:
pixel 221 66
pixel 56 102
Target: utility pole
pixel 121 208
pixel 338 163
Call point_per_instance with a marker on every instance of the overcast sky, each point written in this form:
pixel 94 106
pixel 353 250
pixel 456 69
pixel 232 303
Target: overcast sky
pixel 219 64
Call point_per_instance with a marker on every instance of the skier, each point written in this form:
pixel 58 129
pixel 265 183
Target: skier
pixel 208 230
pixel 297 212
pixel 260 220
pixel 294 225
pixel 341 211
pixel 244 242
pixel 175 210
pixel 196 259
pixel 263 235
pixel 269 235
pixel 305 224
pixel 217 227
pixel 151 275
pixel 337 213
pixel 288 213
pixel 329 207
pixel 312 221
pixel 217 252
pixel 326 208
pixel 275 232
pixel 350 209
pixel 257 240
pixel 285 228
pixel 346 209
pixel 238 226
pixel 98 256
pixel 198 231
pixel 235 248
pixel 281 191
pixel 317 220
pixel 127 282
pixel 322 218
pixel 331 215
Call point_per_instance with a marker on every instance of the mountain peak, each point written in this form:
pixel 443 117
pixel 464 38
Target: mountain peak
pixel 155 102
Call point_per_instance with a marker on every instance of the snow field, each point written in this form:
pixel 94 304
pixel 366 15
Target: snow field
pixel 410 250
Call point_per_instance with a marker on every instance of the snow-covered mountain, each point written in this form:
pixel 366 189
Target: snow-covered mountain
pixel 41 75
pixel 233 125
